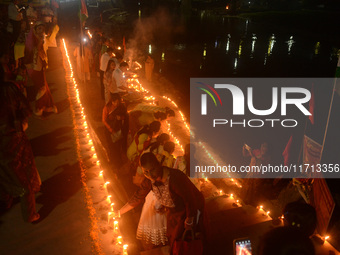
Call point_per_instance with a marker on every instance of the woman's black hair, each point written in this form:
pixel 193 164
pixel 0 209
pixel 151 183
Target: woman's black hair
pixel 160 115
pixel 114 97
pixel 153 127
pixel 149 162
pixel 169 112
pixel 108 65
pixel 160 140
pixel 169 147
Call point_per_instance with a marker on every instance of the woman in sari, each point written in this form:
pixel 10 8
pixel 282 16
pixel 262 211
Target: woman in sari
pixel 116 120
pixel 142 140
pixel 18 174
pixel 35 61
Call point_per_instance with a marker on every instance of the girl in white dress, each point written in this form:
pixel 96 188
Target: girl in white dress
pixel 152 224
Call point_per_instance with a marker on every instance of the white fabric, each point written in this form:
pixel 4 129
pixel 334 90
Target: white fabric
pixel 104 60
pixel 152 225
pixel 118 76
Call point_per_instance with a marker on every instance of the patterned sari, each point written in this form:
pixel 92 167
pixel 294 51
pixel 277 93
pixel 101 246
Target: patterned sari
pixel 18 173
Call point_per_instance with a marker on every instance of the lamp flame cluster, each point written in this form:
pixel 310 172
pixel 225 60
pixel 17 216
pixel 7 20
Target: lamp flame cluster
pixel 85 146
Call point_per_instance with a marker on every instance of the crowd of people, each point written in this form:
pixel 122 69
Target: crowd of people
pixel 23 56
pixel 27 36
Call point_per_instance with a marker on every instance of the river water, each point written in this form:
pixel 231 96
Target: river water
pixel 212 45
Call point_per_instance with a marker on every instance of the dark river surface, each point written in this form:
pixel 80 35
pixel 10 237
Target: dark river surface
pixel 210 45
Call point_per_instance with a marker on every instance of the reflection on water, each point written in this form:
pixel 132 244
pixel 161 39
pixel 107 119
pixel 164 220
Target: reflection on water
pixel 214 46
pixel 271 44
pixel 240 49
pixel 235 64
pixel 228 44
pixel 290 43
pixel 253 41
pixel 317 47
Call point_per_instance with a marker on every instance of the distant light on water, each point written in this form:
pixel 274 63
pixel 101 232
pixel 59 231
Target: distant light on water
pixel 246 30
pixel 235 64
pixel 317 48
pixel 228 44
pixel 240 49
pixel 202 14
pixel 205 52
pixel 253 41
pixel 271 44
pixel 290 43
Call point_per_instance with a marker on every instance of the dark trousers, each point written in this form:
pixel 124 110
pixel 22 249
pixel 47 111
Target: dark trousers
pixel 102 84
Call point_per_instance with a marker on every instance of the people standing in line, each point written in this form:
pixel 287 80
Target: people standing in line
pixel 109 87
pixel 149 66
pixel 18 173
pixel 35 61
pixel 15 17
pixel 96 48
pixel 84 60
pixel 104 60
pixel 184 203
